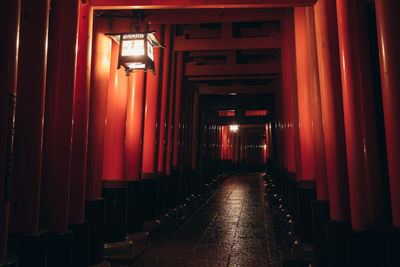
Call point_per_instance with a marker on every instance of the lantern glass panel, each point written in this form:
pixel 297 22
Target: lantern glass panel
pixel 150 53
pixel 132 48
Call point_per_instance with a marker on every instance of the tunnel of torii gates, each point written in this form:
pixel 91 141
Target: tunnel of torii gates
pixel 77 132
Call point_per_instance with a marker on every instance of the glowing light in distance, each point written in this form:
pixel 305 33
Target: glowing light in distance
pixel 234 128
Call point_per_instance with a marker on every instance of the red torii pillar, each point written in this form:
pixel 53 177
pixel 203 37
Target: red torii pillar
pixel 76 215
pixel 334 137
pixel 133 148
pixel 388 25
pixel 177 113
pixel 364 170
pixel 163 134
pixel 171 116
pixel 100 72
pixel 54 203
pixel 115 126
pixel 149 176
pixel 304 98
pixel 308 119
pixel 10 16
pixel 29 116
pixel 80 124
pixel 99 79
pixel 134 126
pixel 318 135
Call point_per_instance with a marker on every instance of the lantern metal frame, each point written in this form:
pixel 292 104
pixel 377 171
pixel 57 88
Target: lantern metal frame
pixel 137 62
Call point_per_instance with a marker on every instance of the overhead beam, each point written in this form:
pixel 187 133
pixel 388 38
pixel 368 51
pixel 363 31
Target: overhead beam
pixel 232 69
pixel 236 89
pixel 227 43
pixel 196 16
pixel 184 4
pixel 236 77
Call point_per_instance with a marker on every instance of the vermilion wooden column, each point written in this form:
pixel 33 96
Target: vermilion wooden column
pixel 114 135
pixel 81 120
pixel 171 116
pixel 29 117
pixel 177 113
pixel 10 16
pixel 304 97
pixel 359 117
pixel 237 147
pixel 332 109
pixel 318 133
pixel 58 116
pixel 100 72
pixel 134 126
pixel 166 74
pixel 387 19
pixel 151 105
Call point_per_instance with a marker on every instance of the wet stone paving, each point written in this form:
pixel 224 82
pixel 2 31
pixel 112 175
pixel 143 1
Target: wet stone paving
pixel 232 229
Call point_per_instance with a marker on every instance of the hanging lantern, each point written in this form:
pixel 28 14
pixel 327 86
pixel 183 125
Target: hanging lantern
pixel 136 50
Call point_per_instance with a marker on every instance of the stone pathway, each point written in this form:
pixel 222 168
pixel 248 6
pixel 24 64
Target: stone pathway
pixel 232 229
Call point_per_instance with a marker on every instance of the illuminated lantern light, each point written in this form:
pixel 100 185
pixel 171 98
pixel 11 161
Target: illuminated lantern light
pixel 136 50
pixel 234 128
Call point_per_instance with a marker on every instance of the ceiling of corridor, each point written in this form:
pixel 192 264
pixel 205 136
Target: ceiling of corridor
pixel 233 56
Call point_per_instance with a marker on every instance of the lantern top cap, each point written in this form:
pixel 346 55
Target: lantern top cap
pixel 136 35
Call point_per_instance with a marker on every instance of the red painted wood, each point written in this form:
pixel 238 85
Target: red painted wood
pixel 114 135
pixel 228 43
pixel 54 204
pixel 134 126
pixel 318 134
pixel 201 3
pixel 365 187
pixel 288 34
pixel 29 117
pixel 388 23
pixel 231 69
pixel 197 16
pixel 166 73
pixel 304 97
pixel 10 16
pixel 177 113
pixel 171 117
pixel 150 110
pixel 332 109
pixel 100 73
pixel 81 121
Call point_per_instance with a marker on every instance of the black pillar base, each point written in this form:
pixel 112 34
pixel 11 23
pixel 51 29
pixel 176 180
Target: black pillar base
pixel 321 214
pixel 149 196
pixel 305 194
pixel 94 215
pixel 174 190
pixel 60 249
pixel 9 261
pixel 80 253
pixel 31 249
pixel 366 248
pixel 336 243
pixel 115 192
pixel 393 247
pixel 134 207
pixel 170 191
pixel 162 193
